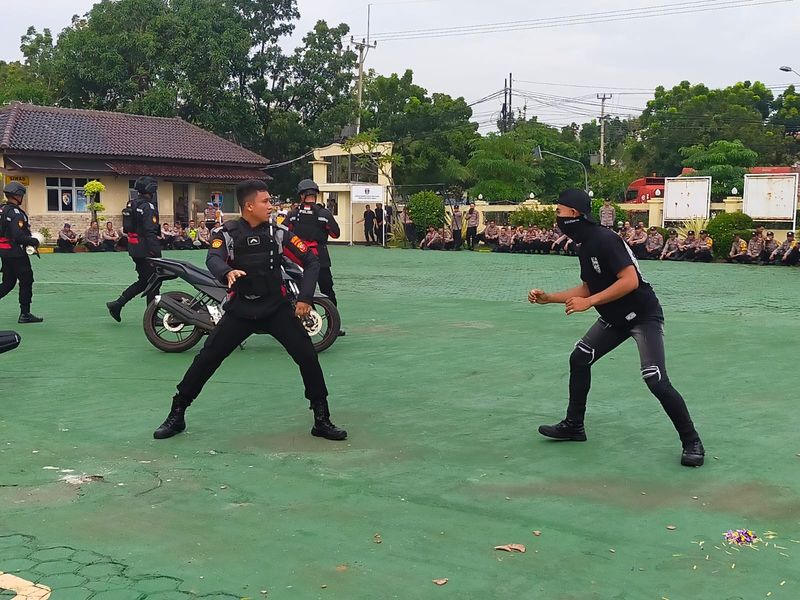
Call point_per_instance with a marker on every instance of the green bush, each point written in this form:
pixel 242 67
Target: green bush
pixel 427 210
pixel 526 216
pixel 723 227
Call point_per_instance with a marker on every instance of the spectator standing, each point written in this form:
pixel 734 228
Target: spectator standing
pixel 607 214
pixel 369 225
pixel 455 226
pixel 473 220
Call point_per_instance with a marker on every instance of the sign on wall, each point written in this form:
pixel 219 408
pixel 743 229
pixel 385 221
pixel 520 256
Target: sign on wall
pixel 366 193
pixel 770 197
pixel 687 198
pixel 23 179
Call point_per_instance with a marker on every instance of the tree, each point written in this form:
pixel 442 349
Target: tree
pixel 689 115
pixel 610 182
pixel 504 169
pixel 17 83
pixel 726 162
pixel 432 133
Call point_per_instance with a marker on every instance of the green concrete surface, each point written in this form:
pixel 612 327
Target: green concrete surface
pixel 444 375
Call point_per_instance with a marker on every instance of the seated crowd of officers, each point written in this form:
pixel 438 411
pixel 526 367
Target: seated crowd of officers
pixel 645 243
pixel 111 239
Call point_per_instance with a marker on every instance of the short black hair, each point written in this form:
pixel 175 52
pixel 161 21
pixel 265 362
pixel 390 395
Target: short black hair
pixel 247 188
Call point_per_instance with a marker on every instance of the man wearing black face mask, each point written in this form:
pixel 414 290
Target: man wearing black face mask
pixel 628 307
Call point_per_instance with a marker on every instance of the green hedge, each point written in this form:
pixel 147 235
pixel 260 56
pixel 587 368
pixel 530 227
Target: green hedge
pixel 427 210
pixel 543 218
pixel 724 226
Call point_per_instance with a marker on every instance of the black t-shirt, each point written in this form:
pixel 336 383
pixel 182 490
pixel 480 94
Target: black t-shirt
pixel 602 256
pixel 369 217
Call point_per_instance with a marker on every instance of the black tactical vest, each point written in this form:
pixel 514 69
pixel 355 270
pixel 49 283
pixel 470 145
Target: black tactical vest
pixel 306 223
pixel 257 252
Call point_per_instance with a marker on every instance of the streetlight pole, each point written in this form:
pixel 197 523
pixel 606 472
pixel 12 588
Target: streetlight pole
pixel 538 152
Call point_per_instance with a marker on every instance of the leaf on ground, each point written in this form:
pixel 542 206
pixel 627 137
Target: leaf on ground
pixel 511 548
pixel 440 581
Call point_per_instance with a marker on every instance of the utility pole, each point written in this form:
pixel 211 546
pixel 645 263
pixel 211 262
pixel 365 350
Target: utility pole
pixel 364 46
pixel 510 112
pixel 603 97
pixel 504 111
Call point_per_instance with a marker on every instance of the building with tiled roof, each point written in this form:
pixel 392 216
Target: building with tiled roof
pixel 55 151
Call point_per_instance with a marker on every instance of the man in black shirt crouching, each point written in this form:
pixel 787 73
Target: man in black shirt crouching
pixel 628 307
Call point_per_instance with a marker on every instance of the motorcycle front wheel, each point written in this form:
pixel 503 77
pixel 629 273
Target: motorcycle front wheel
pixel 165 331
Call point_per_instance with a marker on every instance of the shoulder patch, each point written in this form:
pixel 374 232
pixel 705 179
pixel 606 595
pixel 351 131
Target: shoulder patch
pixel 217 243
pixel 299 243
pixel 21 223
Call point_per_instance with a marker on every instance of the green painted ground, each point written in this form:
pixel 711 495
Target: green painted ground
pixel 442 379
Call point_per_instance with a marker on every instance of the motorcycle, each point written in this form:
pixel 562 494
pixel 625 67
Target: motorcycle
pixel 176 321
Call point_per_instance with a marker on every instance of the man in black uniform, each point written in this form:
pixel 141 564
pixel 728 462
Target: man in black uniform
pixel 246 254
pixel 313 224
pixel 140 222
pixel 15 236
pixel 628 307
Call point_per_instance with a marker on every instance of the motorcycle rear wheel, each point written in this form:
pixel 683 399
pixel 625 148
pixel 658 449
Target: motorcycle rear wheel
pixel 331 324
pixel 159 327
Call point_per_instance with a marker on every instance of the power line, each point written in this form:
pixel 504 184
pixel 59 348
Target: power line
pixel 681 8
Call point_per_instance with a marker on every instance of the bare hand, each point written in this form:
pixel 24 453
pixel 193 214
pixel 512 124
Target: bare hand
pixel 538 297
pixel 577 304
pixel 233 276
pixel 302 309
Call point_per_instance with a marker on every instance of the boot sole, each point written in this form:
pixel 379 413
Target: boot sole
pixel 318 434
pixel 572 438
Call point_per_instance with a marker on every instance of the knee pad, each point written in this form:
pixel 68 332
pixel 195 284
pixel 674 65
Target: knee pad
pixel 654 378
pixel 582 355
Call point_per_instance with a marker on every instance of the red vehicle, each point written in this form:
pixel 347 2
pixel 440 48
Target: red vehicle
pixel 645 188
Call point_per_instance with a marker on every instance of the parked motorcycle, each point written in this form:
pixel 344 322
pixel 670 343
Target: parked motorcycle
pixel 175 321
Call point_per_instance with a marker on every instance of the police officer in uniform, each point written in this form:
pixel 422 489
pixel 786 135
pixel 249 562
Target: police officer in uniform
pixel 628 307
pixel 313 224
pixel 15 236
pixel 140 222
pixel 246 254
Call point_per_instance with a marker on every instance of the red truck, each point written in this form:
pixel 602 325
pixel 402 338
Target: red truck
pixel 645 188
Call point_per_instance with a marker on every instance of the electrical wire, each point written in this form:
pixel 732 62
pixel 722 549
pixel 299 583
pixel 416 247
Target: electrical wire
pixel 680 8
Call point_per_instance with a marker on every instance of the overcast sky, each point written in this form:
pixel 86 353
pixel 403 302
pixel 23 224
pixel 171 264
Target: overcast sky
pixel 714 47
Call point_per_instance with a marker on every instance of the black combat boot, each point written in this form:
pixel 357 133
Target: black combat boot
pixel 322 422
pixel 115 310
pixel 27 317
pixel 565 430
pixel 693 454
pixel 174 422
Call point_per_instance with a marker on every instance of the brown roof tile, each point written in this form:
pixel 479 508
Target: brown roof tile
pixel 188 172
pixel 31 128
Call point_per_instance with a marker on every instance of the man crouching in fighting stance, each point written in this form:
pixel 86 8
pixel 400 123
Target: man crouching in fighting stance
pixel 246 254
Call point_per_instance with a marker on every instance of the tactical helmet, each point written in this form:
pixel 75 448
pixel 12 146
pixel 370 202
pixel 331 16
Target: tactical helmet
pixel 15 188
pixel 146 185
pixel 307 186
